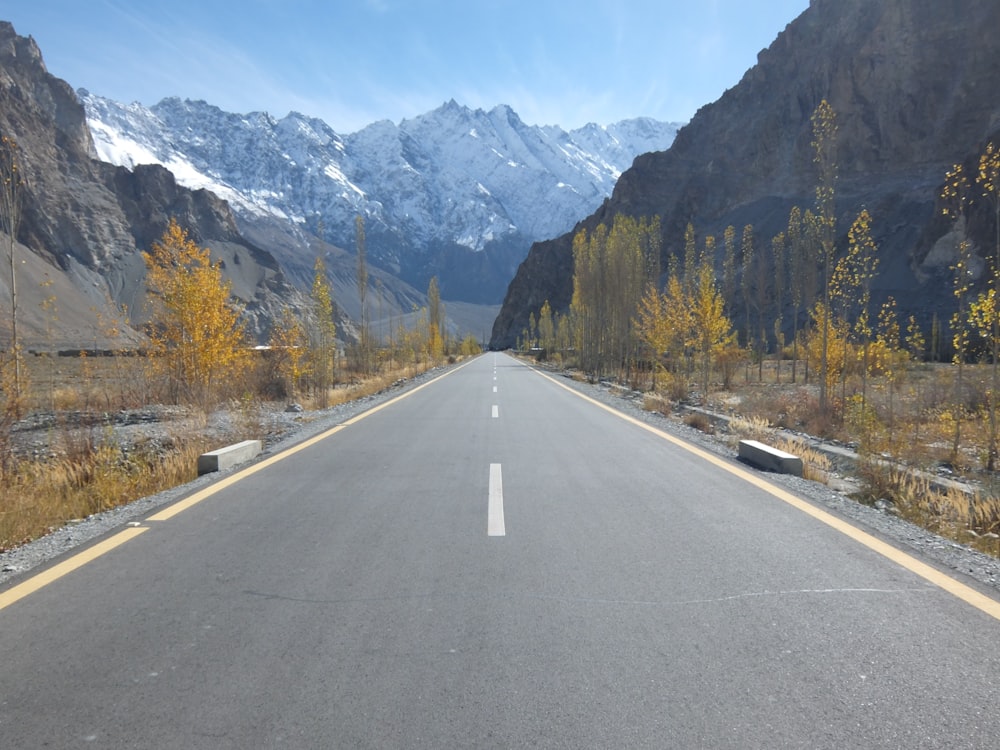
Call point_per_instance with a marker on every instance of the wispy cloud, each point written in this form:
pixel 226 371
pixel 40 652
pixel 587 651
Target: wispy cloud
pixel 356 61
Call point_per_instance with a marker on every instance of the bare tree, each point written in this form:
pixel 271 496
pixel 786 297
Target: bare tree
pixel 364 332
pixel 824 126
pixel 11 184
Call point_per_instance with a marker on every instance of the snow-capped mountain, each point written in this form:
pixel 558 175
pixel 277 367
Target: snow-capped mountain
pixel 456 192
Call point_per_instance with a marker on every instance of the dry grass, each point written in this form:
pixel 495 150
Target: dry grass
pixel 657 403
pixel 79 383
pixel 899 428
pixel 815 466
pixel 40 496
pixel 89 472
pixel 969 517
pixel 699 421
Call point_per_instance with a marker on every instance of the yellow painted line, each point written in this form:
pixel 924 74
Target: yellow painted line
pixel 933 575
pixel 33 584
pixel 191 500
pixel 36 582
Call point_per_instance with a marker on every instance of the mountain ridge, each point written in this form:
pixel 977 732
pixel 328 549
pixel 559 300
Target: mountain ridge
pixel 459 193
pixel 914 87
pixel 84 222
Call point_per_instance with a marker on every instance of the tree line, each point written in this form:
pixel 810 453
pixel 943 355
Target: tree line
pixel 800 298
pixel 199 351
pixel 199 345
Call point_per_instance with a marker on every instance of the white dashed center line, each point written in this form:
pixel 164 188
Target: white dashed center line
pixel 494 513
pixel 496 411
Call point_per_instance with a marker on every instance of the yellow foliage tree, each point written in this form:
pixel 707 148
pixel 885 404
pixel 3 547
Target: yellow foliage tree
pixel 289 351
pixel 984 316
pixel 834 347
pixel 985 311
pixel 435 321
pixel 664 321
pixel 196 337
pixel 687 317
pixel 546 328
pixel 611 268
pixel 652 324
pixel 824 127
pixel 323 335
pixel 712 331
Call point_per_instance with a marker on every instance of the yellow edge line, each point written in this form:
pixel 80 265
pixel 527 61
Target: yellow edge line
pixel 182 505
pixel 33 584
pixel 36 582
pixel 933 575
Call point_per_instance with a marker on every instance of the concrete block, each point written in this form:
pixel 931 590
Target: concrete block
pixel 231 455
pixel 772 459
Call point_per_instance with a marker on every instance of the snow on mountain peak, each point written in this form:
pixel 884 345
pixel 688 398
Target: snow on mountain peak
pixel 451 177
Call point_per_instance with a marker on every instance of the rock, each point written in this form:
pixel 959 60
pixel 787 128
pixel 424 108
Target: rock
pixel 913 86
pixel 293 408
pixel 85 222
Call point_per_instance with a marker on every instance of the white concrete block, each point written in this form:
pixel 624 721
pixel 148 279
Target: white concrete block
pixel 231 455
pixel 772 459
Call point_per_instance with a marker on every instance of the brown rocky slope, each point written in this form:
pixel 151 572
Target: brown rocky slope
pixel 915 87
pixel 84 223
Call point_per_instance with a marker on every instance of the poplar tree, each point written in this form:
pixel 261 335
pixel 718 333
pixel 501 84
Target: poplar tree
pixel 610 272
pixel 824 127
pixel 746 247
pixel 986 312
pixel 799 267
pixel 196 336
pixel 546 329
pixel 435 319
pixel 323 339
pixel 11 189
pixel 890 355
pixel 364 327
pixel 289 351
pixel 690 256
pixel 779 262
pixel 729 268
pixel 955 197
pixel 652 326
pixel 760 279
pixel 850 291
pixel 664 322
pixel 712 330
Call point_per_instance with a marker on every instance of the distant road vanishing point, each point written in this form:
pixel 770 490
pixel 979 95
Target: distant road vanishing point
pixel 493 560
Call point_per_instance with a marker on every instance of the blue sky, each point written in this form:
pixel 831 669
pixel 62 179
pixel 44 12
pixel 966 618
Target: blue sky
pixel 351 62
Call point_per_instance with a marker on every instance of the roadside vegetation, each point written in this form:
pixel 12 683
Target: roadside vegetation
pixel 198 379
pixel 813 352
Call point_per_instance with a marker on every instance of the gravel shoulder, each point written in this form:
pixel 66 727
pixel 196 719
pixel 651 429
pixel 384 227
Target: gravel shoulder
pixel 283 429
pixel 974 567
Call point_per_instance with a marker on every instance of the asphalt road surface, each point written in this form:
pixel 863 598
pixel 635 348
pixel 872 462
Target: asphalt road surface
pixel 493 561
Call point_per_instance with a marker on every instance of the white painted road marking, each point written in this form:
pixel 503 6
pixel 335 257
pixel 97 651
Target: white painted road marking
pixel 494 514
pixel 496 411
pixel 494 389
pixel 953 586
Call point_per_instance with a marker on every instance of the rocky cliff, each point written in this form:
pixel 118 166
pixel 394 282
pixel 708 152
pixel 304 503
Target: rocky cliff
pixel 84 222
pixel 455 193
pixel 915 87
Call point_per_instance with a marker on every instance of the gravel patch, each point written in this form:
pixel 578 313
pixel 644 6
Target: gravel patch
pixel 288 428
pixel 282 429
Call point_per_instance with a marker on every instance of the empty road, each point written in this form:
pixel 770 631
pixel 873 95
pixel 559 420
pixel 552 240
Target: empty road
pixel 493 561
